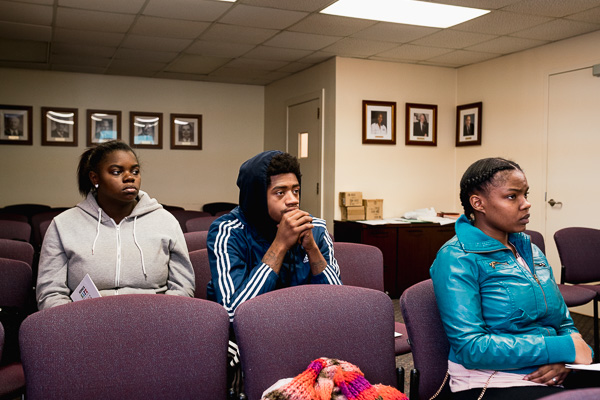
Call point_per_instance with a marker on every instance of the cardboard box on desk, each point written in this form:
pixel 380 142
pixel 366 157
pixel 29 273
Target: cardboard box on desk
pixel 350 199
pixel 373 208
pixel 353 213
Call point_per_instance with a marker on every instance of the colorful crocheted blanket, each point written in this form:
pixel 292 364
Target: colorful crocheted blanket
pixel 330 379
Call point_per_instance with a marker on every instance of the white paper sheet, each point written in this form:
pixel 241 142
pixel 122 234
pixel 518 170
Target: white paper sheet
pixel 85 290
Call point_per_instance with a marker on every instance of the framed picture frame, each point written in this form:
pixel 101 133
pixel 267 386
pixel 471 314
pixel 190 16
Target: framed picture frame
pixel 59 126
pixel 16 125
pixel 468 124
pixel 379 122
pixel 186 131
pixel 145 130
pixel 102 126
pixel 421 124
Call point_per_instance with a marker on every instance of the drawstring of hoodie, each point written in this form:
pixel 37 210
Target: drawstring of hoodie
pixel 97 229
pixel 139 247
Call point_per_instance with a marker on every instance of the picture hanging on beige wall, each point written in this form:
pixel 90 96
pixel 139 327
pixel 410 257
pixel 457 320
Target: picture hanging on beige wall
pixel 421 124
pixel 145 130
pixel 59 126
pixel 102 126
pixel 468 124
pixel 186 131
pixel 15 124
pixel 379 122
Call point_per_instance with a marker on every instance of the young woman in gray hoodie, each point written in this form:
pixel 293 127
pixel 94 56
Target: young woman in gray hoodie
pixel 118 235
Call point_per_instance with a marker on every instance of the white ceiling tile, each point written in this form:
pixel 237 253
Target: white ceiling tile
pixel 119 6
pixel 452 39
pixel 131 65
pixel 12 30
pixel 317 57
pixel 219 49
pixel 359 47
pixel 196 64
pixel 83 50
pixel 462 57
pixel 93 20
pixel 294 67
pixel 193 10
pixel 23 51
pixel 301 40
pixel 551 8
pixel 34 14
pixel 86 69
pixel 260 17
pixel 70 59
pixel 304 5
pixel 412 52
pixel 397 33
pixel 62 35
pixel 145 55
pixel 500 23
pixel 557 29
pixel 237 34
pixel 277 53
pixel 332 25
pixel 253 64
pixel 506 45
pixel 155 43
pixel 592 16
pixel 173 28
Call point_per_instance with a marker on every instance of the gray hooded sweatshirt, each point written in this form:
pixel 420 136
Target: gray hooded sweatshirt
pixel 144 253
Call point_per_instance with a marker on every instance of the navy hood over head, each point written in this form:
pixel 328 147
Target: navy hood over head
pixel 252 181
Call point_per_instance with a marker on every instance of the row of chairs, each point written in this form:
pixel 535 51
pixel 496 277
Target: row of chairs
pixel 168 347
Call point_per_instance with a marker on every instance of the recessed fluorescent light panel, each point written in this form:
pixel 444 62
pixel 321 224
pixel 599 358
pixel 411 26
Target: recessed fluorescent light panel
pixel 405 12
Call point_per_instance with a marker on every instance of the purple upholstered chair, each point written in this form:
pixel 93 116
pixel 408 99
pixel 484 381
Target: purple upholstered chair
pixel 577 394
pixel 16 250
pixel 362 265
pixel 15 230
pixel 199 259
pixel 579 252
pixel 199 224
pixel 15 283
pixel 136 346
pixel 279 333
pixel 195 240
pixel 428 341
pixel 37 236
pixel 12 379
pixel 184 215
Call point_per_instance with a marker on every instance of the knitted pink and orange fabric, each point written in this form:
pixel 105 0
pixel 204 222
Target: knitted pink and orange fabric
pixel 327 378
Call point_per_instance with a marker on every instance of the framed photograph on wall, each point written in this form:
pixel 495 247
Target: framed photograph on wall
pixel 102 126
pixel 59 126
pixel 186 131
pixel 468 124
pixel 421 124
pixel 379 122
pixel 145 130
pixel 15 125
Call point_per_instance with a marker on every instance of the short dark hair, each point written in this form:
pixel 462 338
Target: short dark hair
pixel 479 176
pixel 91 158
pixel 283 163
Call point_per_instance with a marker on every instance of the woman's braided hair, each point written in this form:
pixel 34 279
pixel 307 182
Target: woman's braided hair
pixel 479 176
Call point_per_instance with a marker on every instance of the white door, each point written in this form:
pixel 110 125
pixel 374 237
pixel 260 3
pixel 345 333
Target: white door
pixel 305 142
pixel 573 180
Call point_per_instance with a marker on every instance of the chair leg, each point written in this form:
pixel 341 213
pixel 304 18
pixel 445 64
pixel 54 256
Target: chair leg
pixel 400 379
pixel 414 384
pixel 596 333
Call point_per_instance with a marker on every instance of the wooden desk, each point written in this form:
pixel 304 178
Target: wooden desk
pixel 408 249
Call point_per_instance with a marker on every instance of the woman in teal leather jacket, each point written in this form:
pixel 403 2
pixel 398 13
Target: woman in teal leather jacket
pixel 509 329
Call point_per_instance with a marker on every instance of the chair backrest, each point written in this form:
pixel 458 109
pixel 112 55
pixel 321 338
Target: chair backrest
pixel 43 229
pixel 428 341
pixel 279 333
pixel 195 240
pixel 218 207
pixel 576 394
pixel 36 221
pixel 136 346
pixel 538 239
pixel 17 250
pixel 15 230
pixel 26 209
pixel 15 283
pixel 184 215
pixel 360 264
pixel 199 259
pixel 199 224
pixel 13 217
pixel 579 252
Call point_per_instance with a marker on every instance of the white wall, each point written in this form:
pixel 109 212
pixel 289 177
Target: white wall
pixel 233 131
pixel 405 177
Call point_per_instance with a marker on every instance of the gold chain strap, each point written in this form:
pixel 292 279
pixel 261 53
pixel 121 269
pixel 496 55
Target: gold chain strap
pixel 446 379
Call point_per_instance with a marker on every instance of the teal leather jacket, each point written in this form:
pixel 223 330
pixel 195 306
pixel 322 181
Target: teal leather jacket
pixel 498 315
